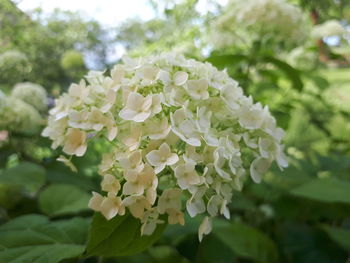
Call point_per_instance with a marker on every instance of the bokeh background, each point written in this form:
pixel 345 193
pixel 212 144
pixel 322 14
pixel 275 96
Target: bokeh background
pixel 298 65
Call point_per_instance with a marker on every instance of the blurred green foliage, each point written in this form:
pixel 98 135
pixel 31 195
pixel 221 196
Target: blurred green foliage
pixel 178 27
pixel 299 215
pixel 44 42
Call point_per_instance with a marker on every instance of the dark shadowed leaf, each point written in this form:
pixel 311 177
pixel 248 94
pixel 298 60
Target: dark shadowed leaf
pixel 339 235
pixel 60 174
pixel 213 250
pixel 304 244
pixel 119 236
pixel 248 242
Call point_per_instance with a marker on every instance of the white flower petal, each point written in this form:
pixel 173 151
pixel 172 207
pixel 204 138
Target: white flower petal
pixel 180 78
pixel 204 228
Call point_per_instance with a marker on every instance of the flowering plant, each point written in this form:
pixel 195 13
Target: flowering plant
pixel 21 110
pixel 253 20
pixel 180 130
pixel 329 28
pixel 31 93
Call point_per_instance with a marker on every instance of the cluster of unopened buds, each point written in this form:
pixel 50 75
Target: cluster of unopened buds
pixel 182 134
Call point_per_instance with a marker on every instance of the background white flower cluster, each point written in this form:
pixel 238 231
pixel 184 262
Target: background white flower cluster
pixel 180 131
pixel 329 28
pixel 22 110
pixel 252 20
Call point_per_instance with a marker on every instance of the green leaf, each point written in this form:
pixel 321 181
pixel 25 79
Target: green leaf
pixel 248 242
pixel 176 233
pixel 304 244
pixel 300 122
pixel 289 71
pixel 119 236
pixel 32 238
pixel 59 199
pixel 208 251
pixel 325 189
pixel 10 196
pixel 168 254
pixel 57 173
pixel 339 235
pixel 28 176
pixel 137 258
pixel 319 81
pixel 222 61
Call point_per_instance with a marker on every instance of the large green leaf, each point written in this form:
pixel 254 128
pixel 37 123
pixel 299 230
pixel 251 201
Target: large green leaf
pixel 290 72
pixel 339 235
pixel 119 236
pixel 336 163
pixel 248 242
pixel 174 234
pixel 222 61
pixel 304 244
pixel 213 250
pixel 32 238
pixel 58 199
pixel 325 189
pixel 57 173
pixel 28 176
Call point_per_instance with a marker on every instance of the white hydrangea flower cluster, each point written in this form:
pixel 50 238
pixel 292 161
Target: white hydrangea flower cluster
pixel 14 67
pixel 181 131
pixel 18 116
pixel 329 28
pixel 32 94
pixel 253 20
